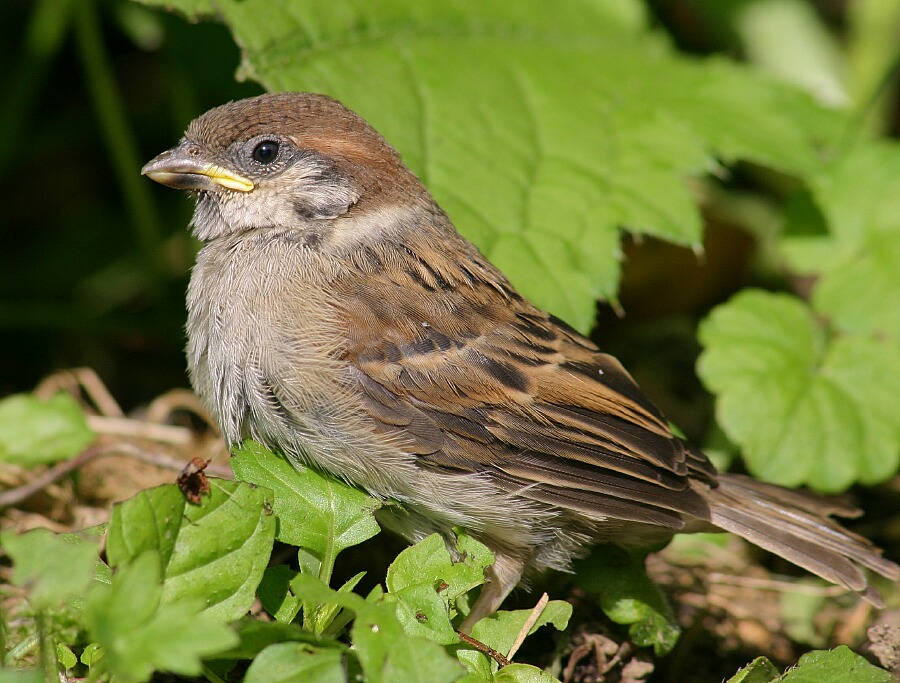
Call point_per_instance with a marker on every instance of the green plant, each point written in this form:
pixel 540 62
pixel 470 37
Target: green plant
pixel 545 135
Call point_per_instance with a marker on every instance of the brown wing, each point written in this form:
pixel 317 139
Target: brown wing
pixel 468 376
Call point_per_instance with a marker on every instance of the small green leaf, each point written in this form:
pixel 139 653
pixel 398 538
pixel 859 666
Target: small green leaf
pixel 429 561
pixel 65 656
pixel 150 520
pixel 425 581
pixel 274 592
pixel 804 408
pixel 760 670
pixel 387 654
pixel 53 568
pixel 523 673
pixel 315 511
pixel 840 665
pixel 91 655
pixel 140 634
pixel 255 636
pixel 501 629
pixel 628 596
pixel 296 663
pixel 35 431
pixel 215 552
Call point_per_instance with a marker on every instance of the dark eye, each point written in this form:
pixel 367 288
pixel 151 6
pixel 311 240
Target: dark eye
pixel 265 152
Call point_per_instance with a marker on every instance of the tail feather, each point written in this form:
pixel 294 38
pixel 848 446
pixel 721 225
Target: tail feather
pixel 797 526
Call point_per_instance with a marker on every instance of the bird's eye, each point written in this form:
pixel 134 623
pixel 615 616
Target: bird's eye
pixel 265 152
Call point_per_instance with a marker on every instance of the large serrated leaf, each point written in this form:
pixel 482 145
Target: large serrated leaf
pixel 805 408
pixel 542 130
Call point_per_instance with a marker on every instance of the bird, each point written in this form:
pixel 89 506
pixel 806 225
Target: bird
pixel 336 315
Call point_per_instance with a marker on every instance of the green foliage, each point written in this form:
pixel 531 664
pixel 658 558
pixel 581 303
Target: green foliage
pixel 840 665
pixel 185 575
pixel 544 134
pixel 33 432
pixel 538 159
pixel 306 502
pixel 628 596
pixel 805 406
pixel 213 553
pixel 53 568
pixel 141 633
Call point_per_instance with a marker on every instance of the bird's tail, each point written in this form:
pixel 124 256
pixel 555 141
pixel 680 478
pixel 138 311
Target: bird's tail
pixel 797 526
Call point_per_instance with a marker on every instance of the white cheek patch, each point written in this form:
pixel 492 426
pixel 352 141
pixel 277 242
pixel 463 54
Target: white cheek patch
pixel 319 190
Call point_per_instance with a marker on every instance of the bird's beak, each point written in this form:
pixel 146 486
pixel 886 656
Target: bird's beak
pixel 183 169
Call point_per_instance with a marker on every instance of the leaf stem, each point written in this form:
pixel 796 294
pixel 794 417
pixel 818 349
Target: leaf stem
pixel 47 650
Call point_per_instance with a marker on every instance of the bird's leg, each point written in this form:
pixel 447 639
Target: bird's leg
pixel 502 577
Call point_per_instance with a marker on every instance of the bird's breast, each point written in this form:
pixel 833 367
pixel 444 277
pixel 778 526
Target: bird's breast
pixel 265 355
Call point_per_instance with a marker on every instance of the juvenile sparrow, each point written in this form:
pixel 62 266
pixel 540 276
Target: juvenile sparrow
pixel 335 314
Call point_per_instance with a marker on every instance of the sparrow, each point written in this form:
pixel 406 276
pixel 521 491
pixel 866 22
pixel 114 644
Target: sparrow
pixel 336 315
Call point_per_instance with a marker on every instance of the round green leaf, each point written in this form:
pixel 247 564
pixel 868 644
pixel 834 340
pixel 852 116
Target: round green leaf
pixel 805 408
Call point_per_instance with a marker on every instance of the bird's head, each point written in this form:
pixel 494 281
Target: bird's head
pixel 283 160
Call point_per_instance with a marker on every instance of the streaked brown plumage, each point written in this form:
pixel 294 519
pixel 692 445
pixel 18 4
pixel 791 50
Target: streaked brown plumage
pixel 337 315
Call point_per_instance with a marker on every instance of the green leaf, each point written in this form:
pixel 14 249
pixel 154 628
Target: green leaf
pixel 315 511
pixel 275 594
pixel 760 670
pixel 35 431
pixel 387 654
pixel 628 596
pixel 555 128
pixel 215 552
pixel 501 629
pixel 255 636
pixel 805 408
pixel 52 567
pixel 21 676
pixel 150 520
pixel 424 580
pixel 429 561
pixel 92 654
pixel 523 673
pixel 859 262
pixel 140 634
pixel 65 656
pixel 840 665
pixel 296 663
